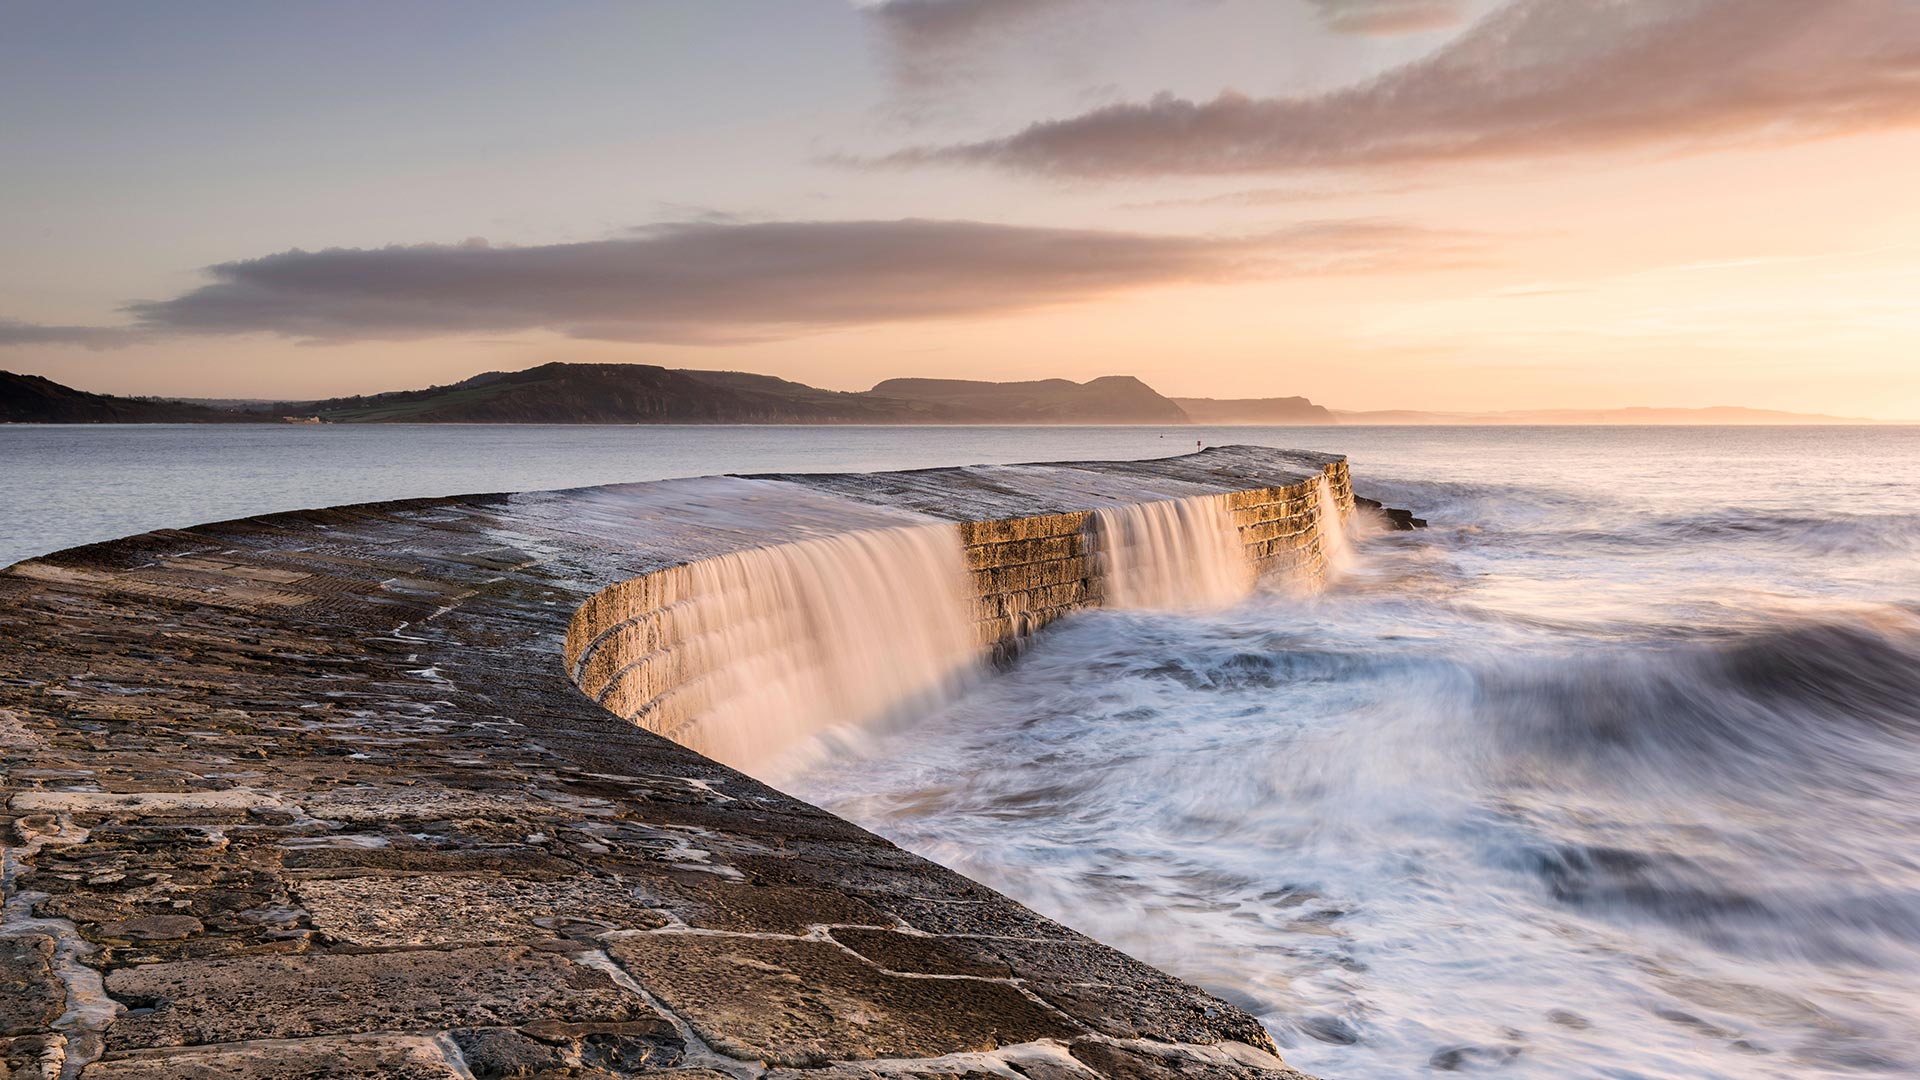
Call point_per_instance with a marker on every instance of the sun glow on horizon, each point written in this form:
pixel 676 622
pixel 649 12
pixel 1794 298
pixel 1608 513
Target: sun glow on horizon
pixel 1334 200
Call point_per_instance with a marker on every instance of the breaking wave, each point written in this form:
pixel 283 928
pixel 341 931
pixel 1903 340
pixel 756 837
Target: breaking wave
pixel 1586 781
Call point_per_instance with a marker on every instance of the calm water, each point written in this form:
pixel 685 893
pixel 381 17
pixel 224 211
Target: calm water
pixel 75 484
pixel 1614 772
pixel 1611 773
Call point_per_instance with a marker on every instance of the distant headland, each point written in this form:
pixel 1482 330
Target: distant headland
pixel 560 393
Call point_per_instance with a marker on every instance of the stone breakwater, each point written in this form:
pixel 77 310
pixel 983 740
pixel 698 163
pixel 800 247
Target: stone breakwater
pixel 314 795
pixel 713 653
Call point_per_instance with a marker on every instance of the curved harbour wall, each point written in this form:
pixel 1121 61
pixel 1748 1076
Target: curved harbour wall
pixel 313 794
pixel 742 655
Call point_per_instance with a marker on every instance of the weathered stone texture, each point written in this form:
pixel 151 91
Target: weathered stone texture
pixel 32 996
pixel 922 954
pixel 1136 1061
pixel 351 1058
pixel 228 999
pixel 443 909
pixel 807 1003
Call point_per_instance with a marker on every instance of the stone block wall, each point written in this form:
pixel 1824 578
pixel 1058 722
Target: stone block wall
pixel 1024 573
pixel 1281 525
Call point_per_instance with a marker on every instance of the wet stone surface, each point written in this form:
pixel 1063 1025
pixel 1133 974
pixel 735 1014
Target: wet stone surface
pixel 312 796
pixel 34 997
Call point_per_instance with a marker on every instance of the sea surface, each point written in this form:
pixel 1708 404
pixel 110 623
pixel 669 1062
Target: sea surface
pixel 63 485
pixel 1612 772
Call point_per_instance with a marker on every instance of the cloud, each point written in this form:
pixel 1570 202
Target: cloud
pixel 917 25
pixel 942 23
pixel 929 40
pixel 1279 196
pixel 1538 77
pixel 712 282
pixel 14 332
pixel 1389 16
pixel 933 44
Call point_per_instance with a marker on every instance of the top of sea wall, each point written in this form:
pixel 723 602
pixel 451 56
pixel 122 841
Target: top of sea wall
pixel 313 791
pixel 990 492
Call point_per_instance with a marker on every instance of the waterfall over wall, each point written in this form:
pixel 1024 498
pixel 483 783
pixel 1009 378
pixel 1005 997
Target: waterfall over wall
pixel 770 646
pixel 744 655
pixel 1178 554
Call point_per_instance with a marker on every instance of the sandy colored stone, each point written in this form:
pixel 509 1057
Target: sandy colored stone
pixel 1137 1062
pixel 804 1003
pixel 920 954
pixel 229 999
pixel 384 803
pixel 32 1057
pixel 152 928
pixel 1117 995
pixel 32 996
pixel 710 902
pixel 479 909
pixel 230 805
pixel 553 1048
pixel 864 1073
pixel 366 1057
pixel 944 916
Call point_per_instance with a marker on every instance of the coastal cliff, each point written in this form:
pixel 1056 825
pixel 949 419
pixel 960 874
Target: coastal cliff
pixel 632 394
pixel 30 399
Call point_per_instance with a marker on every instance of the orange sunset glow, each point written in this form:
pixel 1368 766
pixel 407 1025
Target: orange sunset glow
pixel 1378 204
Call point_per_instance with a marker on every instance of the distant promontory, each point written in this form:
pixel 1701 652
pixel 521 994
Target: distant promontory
pixel 647 394
pixel 632 394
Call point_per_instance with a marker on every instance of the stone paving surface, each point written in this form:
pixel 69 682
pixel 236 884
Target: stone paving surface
pixel 312 796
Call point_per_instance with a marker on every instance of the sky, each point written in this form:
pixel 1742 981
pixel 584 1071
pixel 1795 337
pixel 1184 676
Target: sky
pixel 1378 204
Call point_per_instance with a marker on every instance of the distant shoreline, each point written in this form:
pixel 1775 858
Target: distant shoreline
pixel 648 395
pixel 1185 427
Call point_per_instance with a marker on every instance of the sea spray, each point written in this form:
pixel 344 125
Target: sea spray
pixel 1609 773
pixel 1177 554
pixel 1334 543
pixel 796 639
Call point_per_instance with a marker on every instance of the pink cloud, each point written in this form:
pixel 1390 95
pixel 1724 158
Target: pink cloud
pixel 1538 77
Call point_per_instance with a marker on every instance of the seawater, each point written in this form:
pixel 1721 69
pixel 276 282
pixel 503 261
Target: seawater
pixel 797 639
pixel 1610 773
pixel 63 485
pixel 1171 554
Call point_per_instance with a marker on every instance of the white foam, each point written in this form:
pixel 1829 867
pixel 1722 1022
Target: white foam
pixel 843 630
pixel 1177 554
pixel 1334 542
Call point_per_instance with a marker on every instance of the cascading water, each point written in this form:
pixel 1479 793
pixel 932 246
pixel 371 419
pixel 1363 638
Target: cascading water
pixel 795 639
pixel 1178 554
pixel 1610 773
pixel 1334 543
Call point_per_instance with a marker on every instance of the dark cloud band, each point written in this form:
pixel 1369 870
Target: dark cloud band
pixel 14 332
pixel 717 282
pixel 1539 77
